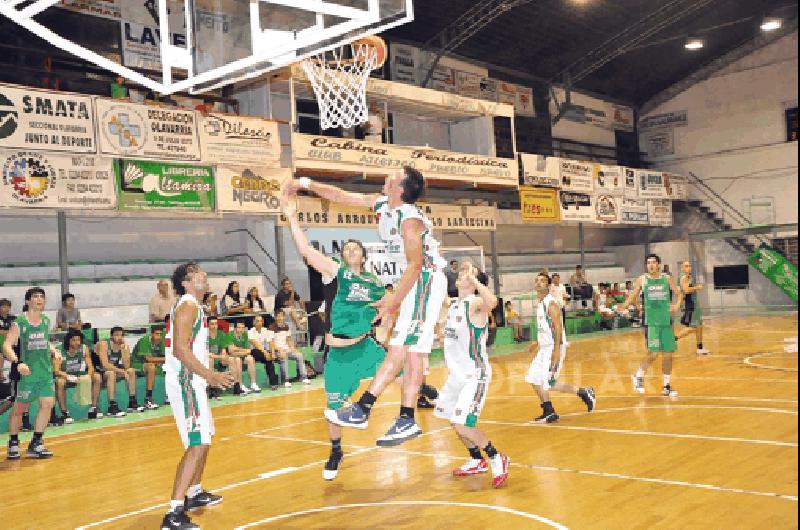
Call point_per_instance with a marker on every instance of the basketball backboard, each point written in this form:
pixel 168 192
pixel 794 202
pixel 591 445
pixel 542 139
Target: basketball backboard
pixel 213 43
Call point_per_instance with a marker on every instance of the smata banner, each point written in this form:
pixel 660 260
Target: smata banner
pixel 246 189
pixel 577 207
pixel 651 184
pixel 110 9
pixel 539 205
pixel 33 179
pixel 608 208
pixel 631 184
pixel 660 212
pixel 229 139
pixel 609 180
pixel 142 131
pixel 47 121
pixel 677 186
pixel 634 212
pixel 540 170
pixel 355 156
pixel 148 185
pixel 779 270
pixel 576 176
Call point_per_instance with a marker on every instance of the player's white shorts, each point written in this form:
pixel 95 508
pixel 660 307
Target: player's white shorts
pixel 461 400
pixel 419 312
pixel 539 371
pixel 191 409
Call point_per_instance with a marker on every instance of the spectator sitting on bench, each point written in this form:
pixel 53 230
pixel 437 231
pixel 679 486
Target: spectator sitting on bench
pixel 147 355
pixel 603 306
pixel 162 302
pixel 513 319
pixel 253 301
pixel 68 316
pixel 232 303
pixel 112 360
pixel 238 345
pixel 284 348
pixel 222 360
pixel 76 365
pixel 581 290
pixel 210 305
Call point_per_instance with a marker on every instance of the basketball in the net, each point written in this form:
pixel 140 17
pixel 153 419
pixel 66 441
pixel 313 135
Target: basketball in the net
pixel 369 43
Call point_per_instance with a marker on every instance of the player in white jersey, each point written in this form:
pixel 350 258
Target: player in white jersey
pixel 546 366
pixel 418 295
pixel 464 394
pixel 188 375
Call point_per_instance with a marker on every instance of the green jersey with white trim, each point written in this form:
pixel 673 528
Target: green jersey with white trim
pixel 34 347
pixel 352 312
pixel 656 300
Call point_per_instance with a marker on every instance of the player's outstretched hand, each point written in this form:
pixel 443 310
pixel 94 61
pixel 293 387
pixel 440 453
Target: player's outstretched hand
pixel 291 188
pixel 220 379
pixel 386 307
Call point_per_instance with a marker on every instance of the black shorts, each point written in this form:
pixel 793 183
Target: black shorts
pixel 8 391
pixel 259 356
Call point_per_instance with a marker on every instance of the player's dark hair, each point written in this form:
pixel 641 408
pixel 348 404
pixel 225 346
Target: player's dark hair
pixel 482 278
pixel 5 302
pixel 654 256
pixel 181 274
pixel 158 328
pixel 68 337
pixel 32 291
pixel 117 328
pixel 66 296
pixel 549 279
pixel 413 185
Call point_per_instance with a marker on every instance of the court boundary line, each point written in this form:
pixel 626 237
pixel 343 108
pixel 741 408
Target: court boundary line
pixel 748 361
pixel 661 398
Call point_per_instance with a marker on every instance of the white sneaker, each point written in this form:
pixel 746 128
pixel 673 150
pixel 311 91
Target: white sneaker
pixel 255 388
pixel 245 391
pixel 703 351
pixel 306 381
pixel 287 384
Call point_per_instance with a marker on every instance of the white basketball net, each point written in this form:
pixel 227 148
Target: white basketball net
pixel 341 84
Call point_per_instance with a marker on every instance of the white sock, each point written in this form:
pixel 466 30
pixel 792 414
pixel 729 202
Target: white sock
pixel 193 491
pixel 666 379
pixel 639 373
pixel 174 505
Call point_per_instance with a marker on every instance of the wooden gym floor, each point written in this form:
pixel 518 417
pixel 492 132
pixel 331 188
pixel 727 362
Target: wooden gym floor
pixel 722 455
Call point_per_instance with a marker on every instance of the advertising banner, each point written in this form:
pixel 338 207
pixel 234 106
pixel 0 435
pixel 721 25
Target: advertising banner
pixel 147 185
pixel 609 180
pixel 141 33
pixel 660 212
pixel 608 208
pixel 539 205
pixel 634 212
pixel 405 63
pixel 48 121
pixel 142 131
pixel 458 217
pixel 99 8
pixel 677 186
pixel 229 139
pixel 469 84
pixel 506 93
pixel 667 119
pixel 631 184
pixel 248 189
pixel 659 142
pixel 576 176
pixel 651 184
pixel 577 207
pixel 779 270
pixel 540 170
pixel 488 89
pixel 524 104
pixel 32 179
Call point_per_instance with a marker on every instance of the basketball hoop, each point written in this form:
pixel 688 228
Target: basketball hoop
pixel 339 78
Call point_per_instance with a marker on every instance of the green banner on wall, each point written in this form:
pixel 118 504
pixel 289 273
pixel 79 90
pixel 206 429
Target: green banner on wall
pixel 777 268
pixel 147 185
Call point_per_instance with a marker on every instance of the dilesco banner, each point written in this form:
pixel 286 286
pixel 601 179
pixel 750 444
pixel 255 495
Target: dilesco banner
pixel 32 179
pixel 651 184
pixel 635 212
pixel 776 268
pixel 660 212
pixel 47 121
pixel 539 205
pixel 230 139
pixel 540 170
pixel 577 207
pixel 148 185
pixel 575 175
pixel 142 131
pixel 346 155
pixel 250 189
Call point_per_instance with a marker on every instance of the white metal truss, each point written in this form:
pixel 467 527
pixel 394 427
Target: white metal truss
pixel 272 49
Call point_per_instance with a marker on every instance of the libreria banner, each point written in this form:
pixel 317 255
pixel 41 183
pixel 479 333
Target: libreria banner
pixel 776 268
pixel 145 185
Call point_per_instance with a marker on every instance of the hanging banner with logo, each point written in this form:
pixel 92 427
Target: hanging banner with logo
pixel 355 156
pixel 148 185
pixel 779 270
pixel 677 186
pixel 405 63
pixel 141 32
pixel 488 89
pixel 142 131
pixel 659 142
pixel 48 121
pixel 577 206
pixel 540 170
pixel 668 119
pixel 31 179
pixel 631 184
pixel 110 9
pixel 229 139
pixel 506 93
pixel 651 184
pixel 246 189
pixel 443 79
pixel 469 84
pixel 524 104
pixel 575 175
pixel 634 212
pixel 458 217
pixel 660 212
pixel 609 180
pixel 539 205
pixel 608 209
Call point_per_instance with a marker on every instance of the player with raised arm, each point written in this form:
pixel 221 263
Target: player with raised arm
pixel 354 354
pixel 188 375
pixel 418 296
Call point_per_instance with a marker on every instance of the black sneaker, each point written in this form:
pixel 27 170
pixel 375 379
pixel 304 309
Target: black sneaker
pixel 94 413
pixel 55 420
pixel 423 403
pixel 149 405
pixel 114 411
pixel 177 520
pixel 588 397
pixel 13 452
pixel 548 416
pixel 26 423
pixel 133 406
pixel 668 391
pixel 67 419
pixel 333 465
pixel 429 392
pixel 201 500
pixel 38 450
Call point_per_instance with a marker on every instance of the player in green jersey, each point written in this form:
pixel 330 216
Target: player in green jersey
pixel 656 288
pixel 32 331
pixel 353 353
pixel 75 366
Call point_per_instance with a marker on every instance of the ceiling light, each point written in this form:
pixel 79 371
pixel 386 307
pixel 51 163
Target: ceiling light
pixel 694 43
pixel 771 24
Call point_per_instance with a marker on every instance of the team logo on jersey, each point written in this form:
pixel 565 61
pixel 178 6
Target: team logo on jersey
pixel 30 176
pixel 358 293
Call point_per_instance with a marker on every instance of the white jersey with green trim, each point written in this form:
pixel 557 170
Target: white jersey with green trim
pixel 544 325
pixel 389 222
pixel 198 343
pixel 464 343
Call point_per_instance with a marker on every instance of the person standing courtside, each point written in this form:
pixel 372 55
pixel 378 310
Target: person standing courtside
pixel 692 318
pixel 188 375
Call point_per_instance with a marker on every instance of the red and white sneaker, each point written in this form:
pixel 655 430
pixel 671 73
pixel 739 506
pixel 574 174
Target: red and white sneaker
pixel 500 469
pixel 472 467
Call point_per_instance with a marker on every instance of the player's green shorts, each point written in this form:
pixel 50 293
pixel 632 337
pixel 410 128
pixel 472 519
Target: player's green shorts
pixel 661 339
pixel 346 367
pixel 29 390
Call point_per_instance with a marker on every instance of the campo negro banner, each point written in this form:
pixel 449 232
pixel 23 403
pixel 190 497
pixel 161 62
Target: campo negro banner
pixel 250 189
